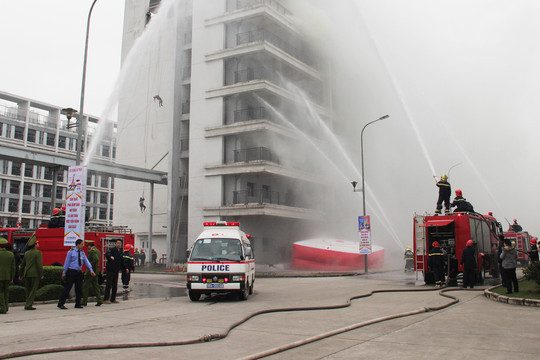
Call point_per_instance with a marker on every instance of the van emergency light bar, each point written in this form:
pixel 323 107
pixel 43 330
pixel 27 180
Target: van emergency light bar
pixel 221 223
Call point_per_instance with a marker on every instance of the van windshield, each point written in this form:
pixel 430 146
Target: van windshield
pixel 217 250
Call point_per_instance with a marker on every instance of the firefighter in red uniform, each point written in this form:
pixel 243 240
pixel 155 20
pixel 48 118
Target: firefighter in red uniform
pixel 436 263
pixel 445 190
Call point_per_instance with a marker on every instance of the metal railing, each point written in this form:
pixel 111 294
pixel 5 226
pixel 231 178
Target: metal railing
pixel 250 74
pixel 251 113
pixel 253 154
pixel 261 196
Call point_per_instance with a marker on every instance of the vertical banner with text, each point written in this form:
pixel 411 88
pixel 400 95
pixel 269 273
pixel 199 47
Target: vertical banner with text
pixel 364 230
pixel 75 205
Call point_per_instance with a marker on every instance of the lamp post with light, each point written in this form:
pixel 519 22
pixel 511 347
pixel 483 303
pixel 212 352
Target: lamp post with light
pixel 354 183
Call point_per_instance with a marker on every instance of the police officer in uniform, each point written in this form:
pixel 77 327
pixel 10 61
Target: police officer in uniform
pixel 32 271
pixel 91 282
pixel 445 190
pixel 7 271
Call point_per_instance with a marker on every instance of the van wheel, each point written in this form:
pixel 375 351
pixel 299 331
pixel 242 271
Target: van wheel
pixel 194 296
pixel 243 295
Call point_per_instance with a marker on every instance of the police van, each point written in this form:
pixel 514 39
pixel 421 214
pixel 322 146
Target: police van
pixel 221 260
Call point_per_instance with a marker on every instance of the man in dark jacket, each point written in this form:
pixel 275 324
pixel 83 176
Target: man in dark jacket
pixel 533 253
pixel 113 266
pixel 445 190
pixel 436 263
pixel 499 260
pixel 468 260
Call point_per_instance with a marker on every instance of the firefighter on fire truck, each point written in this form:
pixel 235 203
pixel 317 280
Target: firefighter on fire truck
pixel 436 262
pixel 445 190
pixel 461 204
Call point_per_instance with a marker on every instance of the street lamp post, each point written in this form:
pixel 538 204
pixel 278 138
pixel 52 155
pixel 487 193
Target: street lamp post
pixel 363 182
pixel 81 106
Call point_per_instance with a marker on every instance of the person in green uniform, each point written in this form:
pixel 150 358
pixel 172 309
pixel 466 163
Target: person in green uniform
pixel 91 282
pixel 7 271
pixel 32 271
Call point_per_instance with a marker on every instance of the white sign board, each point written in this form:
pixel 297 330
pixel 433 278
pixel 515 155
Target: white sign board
pixel 75 205
pixel 364 231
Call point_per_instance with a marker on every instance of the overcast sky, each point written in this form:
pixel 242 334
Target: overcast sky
pixel 465 73
pixel 43 47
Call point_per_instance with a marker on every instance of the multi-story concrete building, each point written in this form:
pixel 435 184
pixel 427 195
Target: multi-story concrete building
pixel 26 190
pixel 213 96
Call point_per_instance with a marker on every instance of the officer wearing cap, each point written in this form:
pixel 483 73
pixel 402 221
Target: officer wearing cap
pixel 91 282
pixel 32 271
pixel 7 271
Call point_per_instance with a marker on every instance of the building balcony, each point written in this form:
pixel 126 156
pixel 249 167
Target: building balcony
pixel 254 154
pixel 263 35
pixel 233 5
pixel 261 196
pixel 251 113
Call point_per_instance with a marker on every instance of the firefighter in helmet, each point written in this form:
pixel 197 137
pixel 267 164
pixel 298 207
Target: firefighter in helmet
pixel 533 253
pixel 409 257
pixel 445 191
pixel 461 204
pixel 516 227
pixel 54 222
pixel 436 263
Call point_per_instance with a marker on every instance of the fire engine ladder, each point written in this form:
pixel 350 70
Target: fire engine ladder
pixel 420 258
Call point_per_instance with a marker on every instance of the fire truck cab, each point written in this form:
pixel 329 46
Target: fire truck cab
pixel 221 260
pixel 452 232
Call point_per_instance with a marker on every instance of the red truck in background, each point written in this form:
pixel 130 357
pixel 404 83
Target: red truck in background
pixel 51 241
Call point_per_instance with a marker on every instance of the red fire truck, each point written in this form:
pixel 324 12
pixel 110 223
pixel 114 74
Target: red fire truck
pixel 452 231
pixel 522 239
pixel 51 241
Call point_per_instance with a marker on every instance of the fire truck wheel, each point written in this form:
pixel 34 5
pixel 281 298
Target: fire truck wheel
pixel 194 296
pixel 243 294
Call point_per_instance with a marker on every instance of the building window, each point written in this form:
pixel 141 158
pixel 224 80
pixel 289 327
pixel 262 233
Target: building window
pixel 27 189
pixel 31 136
pixel 103 198
pixel 106 151
pixel 62 142
pixel 46 208
pixel 3 186
pixel 103 214
pixel 15 168
pixel 50 139
pixel 13 205
pixel 250 189
pixel 2 204
pixel 104 181
pixel 8 131
pixel 47 190
pixel 60 176
pixel 59 193
pixel 114 152
pixel 88 180
pixel 19 132
pixel 29 170
pixel 5 166
pixel 48 173
pixel 14 187
pixel 26 206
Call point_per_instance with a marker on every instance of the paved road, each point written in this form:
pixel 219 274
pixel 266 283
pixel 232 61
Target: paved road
pixel 474 328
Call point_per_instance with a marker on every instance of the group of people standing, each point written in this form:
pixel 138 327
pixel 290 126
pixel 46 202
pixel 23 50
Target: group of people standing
pixel 140 257
pixel 117 261
pixel 445 191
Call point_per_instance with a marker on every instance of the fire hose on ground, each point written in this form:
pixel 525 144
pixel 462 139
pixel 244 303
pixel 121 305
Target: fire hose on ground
pixel 219 336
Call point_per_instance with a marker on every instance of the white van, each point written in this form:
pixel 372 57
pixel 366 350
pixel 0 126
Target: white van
pixel 221 260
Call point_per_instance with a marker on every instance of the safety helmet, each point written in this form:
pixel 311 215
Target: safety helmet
pixel 55 211
pixel 63 208
pixel 435 244
pixel 408 248
pixel 490 213
pixel 127 247
pixel 459 193
pixel 533 241
pixel 444 177
pixel 515 220
pixel 469 243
